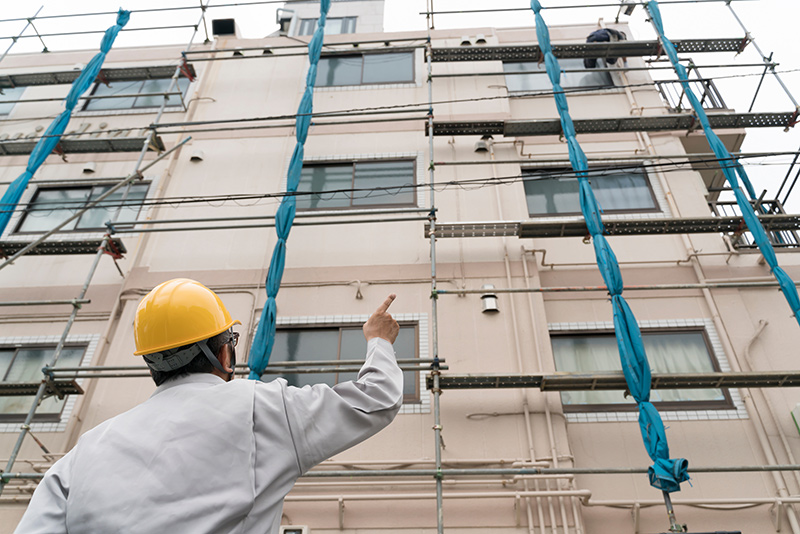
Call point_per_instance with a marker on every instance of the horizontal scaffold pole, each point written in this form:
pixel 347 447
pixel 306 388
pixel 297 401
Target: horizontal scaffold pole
pixel 645 287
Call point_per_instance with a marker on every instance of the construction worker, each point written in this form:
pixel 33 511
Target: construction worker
pixel 206 454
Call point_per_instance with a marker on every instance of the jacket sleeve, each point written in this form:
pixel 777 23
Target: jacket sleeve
pixel 47 511
pixel 326 420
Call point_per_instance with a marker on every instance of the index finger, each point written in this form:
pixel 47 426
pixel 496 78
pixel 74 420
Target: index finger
pixel 386 303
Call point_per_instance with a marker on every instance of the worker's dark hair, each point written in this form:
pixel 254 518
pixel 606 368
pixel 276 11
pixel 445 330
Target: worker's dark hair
pixel 199 363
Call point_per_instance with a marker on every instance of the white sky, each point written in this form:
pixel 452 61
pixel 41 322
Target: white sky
pixel 773 23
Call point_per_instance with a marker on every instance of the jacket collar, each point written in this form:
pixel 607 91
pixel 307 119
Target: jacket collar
pixel 194 378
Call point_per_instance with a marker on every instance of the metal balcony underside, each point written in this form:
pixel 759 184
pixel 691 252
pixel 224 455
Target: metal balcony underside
pixel 57 388
pixel 84 146
pixel 58 248
pixel 129 74
pixel 585 50
pixel 577 228
pixel 616 381
pixel 656 123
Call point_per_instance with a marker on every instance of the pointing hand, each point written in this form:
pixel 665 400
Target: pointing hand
pixel 381 324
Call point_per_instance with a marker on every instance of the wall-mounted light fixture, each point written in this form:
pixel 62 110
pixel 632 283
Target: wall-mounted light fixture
pixel 482 145
pixel 489 299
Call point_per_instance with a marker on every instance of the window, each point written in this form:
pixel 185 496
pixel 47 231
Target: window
pixel 51 206
pixel 7 98
pixel 363 69
pixel 24 365
pixel 333 26
pixel 555 191
pixel 340 343
pixel 143 87
pixel 667 351
pixel 362 184
pixel 539 81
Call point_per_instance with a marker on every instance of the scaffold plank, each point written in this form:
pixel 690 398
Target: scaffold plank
pixel 655 123
pixel 58 248
pixel 129 74
pixel 84 146
pixel 54 387
pixel 616 381
pixel 583 50
pixel 577 228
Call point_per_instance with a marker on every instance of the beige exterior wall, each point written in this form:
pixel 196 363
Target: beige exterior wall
pixel 480 428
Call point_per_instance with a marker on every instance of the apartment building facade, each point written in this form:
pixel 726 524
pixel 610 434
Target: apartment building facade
pixel 205 211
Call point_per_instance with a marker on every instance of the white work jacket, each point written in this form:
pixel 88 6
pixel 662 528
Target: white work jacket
pixel 205 456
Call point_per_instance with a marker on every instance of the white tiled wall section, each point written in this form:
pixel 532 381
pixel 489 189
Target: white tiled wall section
pixel 737 412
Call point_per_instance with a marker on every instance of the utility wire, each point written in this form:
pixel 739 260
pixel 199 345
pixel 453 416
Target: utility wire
pixel 360 111
pixel 373 192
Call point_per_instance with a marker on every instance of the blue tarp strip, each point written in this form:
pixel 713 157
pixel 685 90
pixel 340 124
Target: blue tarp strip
pixel 731 167
pixel 265 335
pixel 665 473
pixel 52 135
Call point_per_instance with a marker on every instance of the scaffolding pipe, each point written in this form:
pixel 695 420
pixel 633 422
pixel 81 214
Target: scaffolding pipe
pixel 401 361
pixel 605 69
pixel 574 6
pixel 15 39
pixel 267 225
pixel 649 287
pixel 546 471
pixel 89 32
pixel 73 302
pixel 87 97
pixel 565 159
pixel 354 44
pixel 435 368
pixel 767 61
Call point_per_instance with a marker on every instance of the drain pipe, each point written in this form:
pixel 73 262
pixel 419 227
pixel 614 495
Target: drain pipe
pixel 525 404
pixel 518 353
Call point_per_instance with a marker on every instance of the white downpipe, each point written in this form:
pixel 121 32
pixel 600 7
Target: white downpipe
pixel 525 406
pixel 518 353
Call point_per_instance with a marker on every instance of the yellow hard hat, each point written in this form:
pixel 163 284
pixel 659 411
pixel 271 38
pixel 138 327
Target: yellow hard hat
pixel 178 312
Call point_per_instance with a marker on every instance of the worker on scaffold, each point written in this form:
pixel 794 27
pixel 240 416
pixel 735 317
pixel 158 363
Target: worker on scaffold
pixel 206 454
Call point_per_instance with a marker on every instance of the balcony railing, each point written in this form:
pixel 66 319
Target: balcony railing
pixel 674 95
pixel 744 240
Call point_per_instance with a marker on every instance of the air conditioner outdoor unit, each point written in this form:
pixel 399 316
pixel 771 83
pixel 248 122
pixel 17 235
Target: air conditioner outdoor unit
pixel 294 529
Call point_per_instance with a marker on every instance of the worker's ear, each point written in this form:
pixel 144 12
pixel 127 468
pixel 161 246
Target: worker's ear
pixel 224 357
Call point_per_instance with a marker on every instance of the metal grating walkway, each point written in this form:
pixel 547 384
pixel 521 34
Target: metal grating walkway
pixel 584 50
pixel 616 381
pixel 58 248
pixel 57 388
pixel 129 74
pixel 84 146
pixel 577 228
pixel 656 123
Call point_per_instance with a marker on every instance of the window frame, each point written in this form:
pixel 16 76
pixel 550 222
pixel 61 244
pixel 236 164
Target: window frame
pixel 305 20
pixel 53 187
pixel 528 174
pixel 416 398
pixel 38 417
pixel 180 105
pixel 548 86
pixel 365 53
pixel 14 104
pixel 687 405
pixel 354 163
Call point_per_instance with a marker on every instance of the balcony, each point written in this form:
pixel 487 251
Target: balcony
pixel 674 95
pixel 743 240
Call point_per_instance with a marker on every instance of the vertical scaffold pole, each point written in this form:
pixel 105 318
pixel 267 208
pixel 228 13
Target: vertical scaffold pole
pixel 26 426
pixel 435 371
